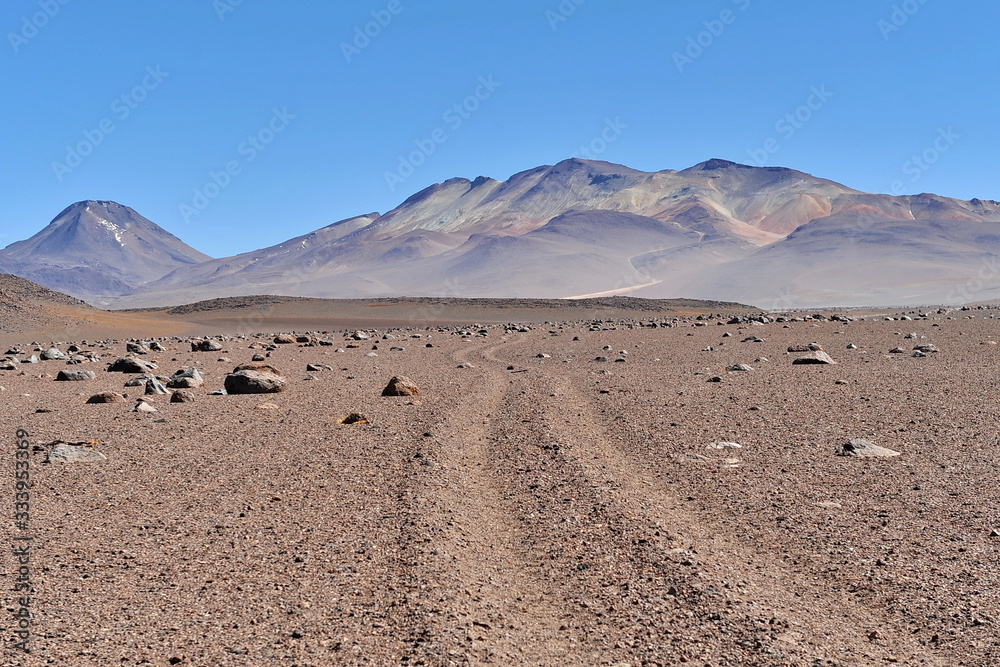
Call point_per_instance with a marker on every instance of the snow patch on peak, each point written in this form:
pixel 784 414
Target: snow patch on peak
pixel 113 228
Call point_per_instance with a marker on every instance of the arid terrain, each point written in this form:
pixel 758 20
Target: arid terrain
pixel 560 492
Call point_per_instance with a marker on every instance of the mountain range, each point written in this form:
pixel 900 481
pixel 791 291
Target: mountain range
pixel 770 236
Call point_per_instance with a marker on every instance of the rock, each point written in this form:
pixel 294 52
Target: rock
pixel 918 353
pixel 131 365
pixel 52 353
pixel 542 355
pixel 205 346
pixel 353 418
pixel 154 386
pixel 601 359
pixel 182 396
pixel 897 350
pixel 715 378
pixel 818 357
pixel 465 364
pixel 738 368
pixel 77 452
pixel 401 386
pixel 143 406
pixel 75 376
pixel 254 382
pixel 186 378
pixel 257 357
pixel 106 397
pixel 852 346
pixel 284 339
pixel 926 348
pixel 725 445
pixel 861 448
pixel 315 368
pixel 359 335
pixel 136 348
pixel 31 360
pixel 256 366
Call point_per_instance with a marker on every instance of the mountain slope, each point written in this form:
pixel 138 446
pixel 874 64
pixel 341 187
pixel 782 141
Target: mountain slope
pixel 98 248
pixel 716 230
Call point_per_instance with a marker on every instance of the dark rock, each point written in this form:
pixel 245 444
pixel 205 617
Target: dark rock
pixel 254 382
pixel 75 375
pixel 131 365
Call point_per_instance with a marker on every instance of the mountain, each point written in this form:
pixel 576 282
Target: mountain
pixel 96 249
pixel 772 236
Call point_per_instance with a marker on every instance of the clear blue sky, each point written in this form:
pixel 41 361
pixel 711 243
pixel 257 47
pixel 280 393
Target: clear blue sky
pixel 181 86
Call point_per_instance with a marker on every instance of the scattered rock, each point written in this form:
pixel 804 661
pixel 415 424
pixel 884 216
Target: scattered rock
pixel 182 396
pixel 106 397
pixel 738 368
pixel 725 445
pixel 315 368
pixel 154 386
pixel 254 382
pixel 861 448
pixel 205 346
pixel 353 418
pixel 73 452
pixel 131 365
pixel 284 339
pixel 818 357
pixel 75 376
pixel 401 386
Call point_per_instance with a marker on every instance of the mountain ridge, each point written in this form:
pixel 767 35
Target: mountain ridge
pixel 584 226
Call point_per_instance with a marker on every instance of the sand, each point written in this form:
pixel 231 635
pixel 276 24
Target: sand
pixel 524 510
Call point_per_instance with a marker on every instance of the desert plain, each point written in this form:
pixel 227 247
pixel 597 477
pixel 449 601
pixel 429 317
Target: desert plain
pixel 571 486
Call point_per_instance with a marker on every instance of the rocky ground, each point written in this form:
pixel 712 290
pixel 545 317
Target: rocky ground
pixel 532 505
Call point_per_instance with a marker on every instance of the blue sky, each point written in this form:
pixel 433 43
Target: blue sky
pixel 238 124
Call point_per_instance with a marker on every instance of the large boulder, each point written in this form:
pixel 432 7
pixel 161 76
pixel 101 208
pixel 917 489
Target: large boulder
pixel 401 386
pixel 254 382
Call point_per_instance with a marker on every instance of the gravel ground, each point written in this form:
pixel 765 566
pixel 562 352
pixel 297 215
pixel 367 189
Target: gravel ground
pixel 525 510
